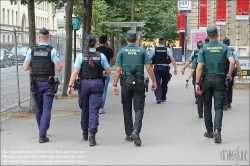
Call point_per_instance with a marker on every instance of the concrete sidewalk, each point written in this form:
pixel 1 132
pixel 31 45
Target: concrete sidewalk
pixel 172 134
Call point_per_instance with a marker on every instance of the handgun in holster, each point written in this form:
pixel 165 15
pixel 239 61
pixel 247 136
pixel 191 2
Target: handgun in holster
pixel 54 82
pixel 77 84
pixel 103 80
pixel 33 83
pixel 146 81
pixel 169 77
pixel 227 79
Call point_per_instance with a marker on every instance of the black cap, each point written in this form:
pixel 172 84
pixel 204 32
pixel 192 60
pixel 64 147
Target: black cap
pixel 90 38
pixel 161 38
pixel 207 39
pixel 131 34
pixel 103 39
pixel 212 30
pixel 44 31
pixel 226 39
pixel 200 44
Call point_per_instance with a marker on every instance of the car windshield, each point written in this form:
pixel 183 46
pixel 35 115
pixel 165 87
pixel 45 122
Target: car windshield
pixel 19 50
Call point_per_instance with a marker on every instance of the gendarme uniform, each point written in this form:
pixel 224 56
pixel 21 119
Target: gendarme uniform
pixel 214 55
pixel 161 58
pixel 132 60
pixel 91 89
pixel 42 57
pixel 194 66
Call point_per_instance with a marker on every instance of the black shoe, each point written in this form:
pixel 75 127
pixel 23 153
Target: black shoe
pixel 158 101
pixel 129 138
pixel 200 116
pixel 217 136
pixel 229 106
pixel 136 138
pixel 208 134
pixel 43 139
pixel 85 135
pixel 92 141
pixel 163 100
pixel 196 101
pixel 225 108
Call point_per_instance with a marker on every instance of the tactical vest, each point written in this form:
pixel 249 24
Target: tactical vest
pixel 91 72
pixel 227 62
pixel 195 61
pixel 161 56
pixel 41 63
pixel 196 53
pixel 215 58
pixel 132 59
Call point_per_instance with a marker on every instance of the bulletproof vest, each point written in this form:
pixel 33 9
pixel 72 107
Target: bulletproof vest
pixel 41 63
pixel 215 58
pixel 91 72
pixel 196 53
pixel 132 60
pixel 161 56
pixel 227 62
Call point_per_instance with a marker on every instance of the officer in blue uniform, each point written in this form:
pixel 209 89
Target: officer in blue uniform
pixel 211 68
pixel 42 59
pixel 229 91
pixel 89 67
pixel 161 57
pixel 192 73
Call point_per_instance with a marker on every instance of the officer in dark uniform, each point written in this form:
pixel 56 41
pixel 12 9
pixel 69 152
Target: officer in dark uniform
pixel 192 74
pixel 43 59
pixel 212 58
pixel 229 91
pixel 161 56
pixel 89 67
pixel 131 60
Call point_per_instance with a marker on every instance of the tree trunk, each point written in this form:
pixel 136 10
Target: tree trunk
pixel 32 41
pixel 112 42
pixel 68 58
pixel 89 16
pixel 84 20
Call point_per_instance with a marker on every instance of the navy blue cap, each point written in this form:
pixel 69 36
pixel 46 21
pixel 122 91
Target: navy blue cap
pixel 161 38
pixel 226 39
pixel 212 30
pixel 90 38
pixel 131 34
pixel 44 31
pixel 207 39
pixel 200 44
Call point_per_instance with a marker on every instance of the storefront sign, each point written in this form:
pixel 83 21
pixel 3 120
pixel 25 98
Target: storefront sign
pixel 197 35
pixel 221 9
pixel 242 9
pixel 184 6
pixel 203 14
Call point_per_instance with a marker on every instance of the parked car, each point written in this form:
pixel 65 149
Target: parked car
pixel 21 53
pixel 5 59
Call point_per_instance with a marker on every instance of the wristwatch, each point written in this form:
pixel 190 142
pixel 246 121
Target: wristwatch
pixel 184 68
pixel 187 80
pixel 115 85
pixel 70 86
pixel 197 83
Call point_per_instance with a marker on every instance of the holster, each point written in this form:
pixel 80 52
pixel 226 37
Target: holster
pixel 77 84
pixel 33 83
pixel 54 82
pixel 170 76
pixel 103 80
pixel 227 82
pixel 146 81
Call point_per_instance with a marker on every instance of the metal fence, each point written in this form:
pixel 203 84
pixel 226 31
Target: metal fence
pixel 15 83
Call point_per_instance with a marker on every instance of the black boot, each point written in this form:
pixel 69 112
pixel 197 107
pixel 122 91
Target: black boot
pixel 129 138
pixel 217 136
pixel 208 134
pixel 85 135
pixel 43 139
pixel 136 137
pixel 92 141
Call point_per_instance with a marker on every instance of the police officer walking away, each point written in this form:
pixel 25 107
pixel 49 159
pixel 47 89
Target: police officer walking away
pixel 131 60
pixel 229 91
pixel 89 68
pixel 108 52
pixel 161 56
pixel 211 68
pixel 43 59
pixel 192 73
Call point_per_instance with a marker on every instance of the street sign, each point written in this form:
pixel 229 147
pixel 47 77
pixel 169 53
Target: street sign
pixel 76 23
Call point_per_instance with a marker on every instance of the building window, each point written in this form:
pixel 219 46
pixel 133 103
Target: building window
pixel 8 38
pixel 3 38
pixel 3 19
pixel 12 14
pixel 8 17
